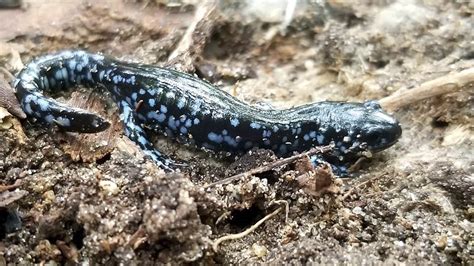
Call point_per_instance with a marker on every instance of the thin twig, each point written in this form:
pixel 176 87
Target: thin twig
pixel 449 83
pixel 352 189
pixel 138 238
pixel 270 166
pixel 8 187
pixel 194 39
pixel 216 242
pixel 222 217
pixel 287 207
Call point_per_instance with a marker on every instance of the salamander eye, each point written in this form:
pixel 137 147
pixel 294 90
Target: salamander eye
pixel 374 137
pixel 373 105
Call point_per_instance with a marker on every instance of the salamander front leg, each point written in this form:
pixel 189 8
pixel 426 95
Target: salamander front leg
pixel 338 170
pixel 136 133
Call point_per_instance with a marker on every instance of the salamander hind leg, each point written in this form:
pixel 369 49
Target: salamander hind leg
pixel 136 133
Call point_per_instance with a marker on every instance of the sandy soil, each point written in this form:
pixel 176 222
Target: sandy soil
pixel 66 198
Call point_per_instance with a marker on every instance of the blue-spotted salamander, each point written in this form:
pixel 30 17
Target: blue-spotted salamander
pixel 185 108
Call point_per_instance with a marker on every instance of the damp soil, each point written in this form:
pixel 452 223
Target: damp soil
pixel 67 199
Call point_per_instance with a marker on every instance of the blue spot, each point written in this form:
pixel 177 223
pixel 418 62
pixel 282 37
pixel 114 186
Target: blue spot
pixel 43 104
pixel 58 75
pixel 134 96
pixel 181 103
pixel 72 64
pixel 312 134
pixel 124 104
pixel 234 122
pixel 152 102
pixel 196 121
pixel 62 121
pixel 231 141
pixel 188 123
pixel 255 125
pixel 28 109
pixel 46 83
pixel 214 137
pixel 224 132
pixel 306 137
pixel 171 123
pixel 142 140
pixel 182 118
pixel 142 91
pixel 266 133
pixel 163 109
pixel 320 138
pixel 49 119
pixel 161 118
pixel 30 98
pixel 183 130
pixel 101 75
pixel 89 76
pixel 152 115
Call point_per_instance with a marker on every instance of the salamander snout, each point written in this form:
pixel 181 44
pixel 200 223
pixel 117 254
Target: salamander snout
pixel 381 131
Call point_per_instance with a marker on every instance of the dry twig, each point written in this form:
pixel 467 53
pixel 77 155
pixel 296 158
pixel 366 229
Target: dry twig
pixel 216 242
pixel 352 189
pixel 273 165
pixel 8 187
pixel 194 39
pixel 287 207
pixel 450 83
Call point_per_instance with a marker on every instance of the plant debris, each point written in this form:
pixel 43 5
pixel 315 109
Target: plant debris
pixel 69 198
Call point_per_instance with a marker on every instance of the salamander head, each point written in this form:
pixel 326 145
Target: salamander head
pixel 374 127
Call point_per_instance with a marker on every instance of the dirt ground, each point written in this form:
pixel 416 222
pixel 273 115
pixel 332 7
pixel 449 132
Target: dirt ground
pixel 66 198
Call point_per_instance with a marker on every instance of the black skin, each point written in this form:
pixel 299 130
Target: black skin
pixel 168 102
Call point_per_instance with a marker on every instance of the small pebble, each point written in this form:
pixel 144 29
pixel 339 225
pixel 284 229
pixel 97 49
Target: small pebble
pixel 109 187
pixel 259 250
